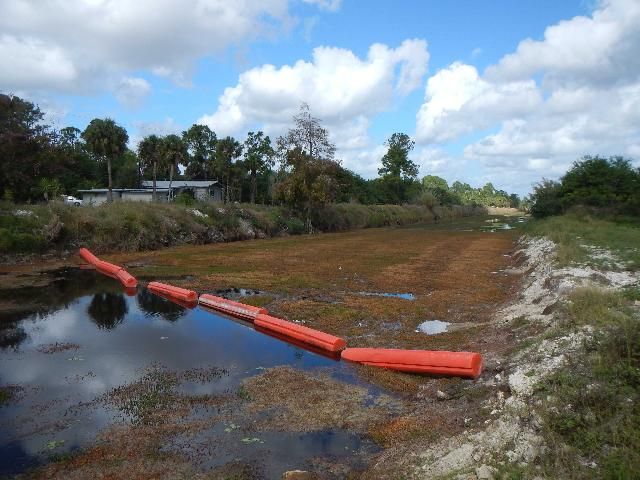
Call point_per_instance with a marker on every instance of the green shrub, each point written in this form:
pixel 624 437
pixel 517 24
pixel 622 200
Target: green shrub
pixel 184 199
pixel 294 226
pixel 593 406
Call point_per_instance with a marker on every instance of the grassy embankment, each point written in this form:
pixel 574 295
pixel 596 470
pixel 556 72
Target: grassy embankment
pixel 126 226
pixel 591 409
pixel 573 232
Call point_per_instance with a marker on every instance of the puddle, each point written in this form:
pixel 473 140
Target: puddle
pixel 404 296
pixel 433 327
pixel 497 226
pixel 284 451
pixel 236 293
pixel 115 337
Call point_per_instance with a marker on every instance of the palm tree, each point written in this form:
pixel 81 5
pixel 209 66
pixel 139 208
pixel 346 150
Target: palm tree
pixel 227 151
pixel 149 150
pixel 258 155
pixel 106 140
pixel 173 151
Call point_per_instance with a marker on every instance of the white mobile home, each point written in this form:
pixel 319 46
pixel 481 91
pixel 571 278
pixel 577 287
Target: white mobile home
pixel 202 190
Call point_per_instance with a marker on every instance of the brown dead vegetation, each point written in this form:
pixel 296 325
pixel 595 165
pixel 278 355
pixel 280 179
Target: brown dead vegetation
pixel 295 401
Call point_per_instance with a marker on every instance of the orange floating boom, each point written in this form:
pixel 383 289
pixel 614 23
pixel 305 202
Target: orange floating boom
pixel 164 289
pixel 304 334
pixel 236 309
pixel 456 364
pixel 88 257
pixel 106 268
pixel 176 300
pixel 299 344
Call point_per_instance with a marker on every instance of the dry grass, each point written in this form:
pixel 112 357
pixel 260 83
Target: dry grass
pixel 295 401
pixel 318 280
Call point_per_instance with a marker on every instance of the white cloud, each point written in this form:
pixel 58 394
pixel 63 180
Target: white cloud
pixel 338 86
pixel 458 101
pixel 550 102
pixel 601 48
pixel 29 63
pixel 131 91
pixel 80 45
pixel 329 5
pixel 343 90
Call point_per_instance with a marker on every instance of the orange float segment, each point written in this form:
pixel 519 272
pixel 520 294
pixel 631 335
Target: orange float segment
pixel 459 364
pixel 117 272
pixel 88 257
pixel 177 301
pixel 127 279
pixel 237 309
pixel 304 334
pixel 299 344
pixel 187 296
pixel 109 269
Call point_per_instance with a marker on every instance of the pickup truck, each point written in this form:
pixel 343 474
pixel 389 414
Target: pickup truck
pixel 71 200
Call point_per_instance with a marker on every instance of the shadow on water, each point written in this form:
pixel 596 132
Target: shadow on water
pixel 115 338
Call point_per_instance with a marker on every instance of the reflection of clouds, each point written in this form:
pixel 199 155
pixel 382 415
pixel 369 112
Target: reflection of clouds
pixel 118 356
pixel 61 324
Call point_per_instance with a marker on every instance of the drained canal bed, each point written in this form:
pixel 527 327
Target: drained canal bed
pixel 97 383
pixel 81 356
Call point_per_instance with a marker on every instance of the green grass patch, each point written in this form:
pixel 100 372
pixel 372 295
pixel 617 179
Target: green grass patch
pixel 572 231
pixel 592 421
pixel 632 293
pixel 595 306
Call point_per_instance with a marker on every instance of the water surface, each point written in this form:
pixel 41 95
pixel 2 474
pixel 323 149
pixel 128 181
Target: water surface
pixel 71 342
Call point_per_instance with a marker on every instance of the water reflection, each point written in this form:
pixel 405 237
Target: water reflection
pixel 11 335
pixel 63 288
pixel 153 305
pixel 107 310
pixel 118 337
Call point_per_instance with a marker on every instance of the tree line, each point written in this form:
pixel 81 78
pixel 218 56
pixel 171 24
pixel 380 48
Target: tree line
pixel 299 169
pixel 605 185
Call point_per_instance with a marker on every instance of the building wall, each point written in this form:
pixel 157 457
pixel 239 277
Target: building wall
pixel 137 196
pixel 201 194
pixel 98 198
pixel 216 194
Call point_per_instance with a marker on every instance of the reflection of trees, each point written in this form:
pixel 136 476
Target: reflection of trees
pixel 11 335
pixel 66 286
pixel 107 310
pixel 153 305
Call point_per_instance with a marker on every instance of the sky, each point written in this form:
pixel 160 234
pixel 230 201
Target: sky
pixel 497 91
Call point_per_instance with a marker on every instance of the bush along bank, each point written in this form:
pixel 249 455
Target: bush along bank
pixel 125 226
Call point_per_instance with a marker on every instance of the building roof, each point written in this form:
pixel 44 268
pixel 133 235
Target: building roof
pixel 123 190
pixel 180 183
